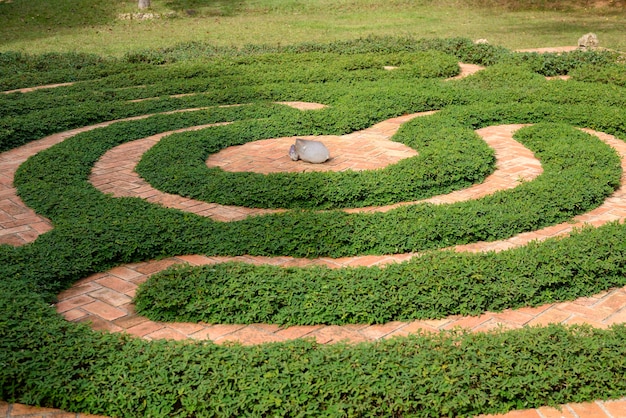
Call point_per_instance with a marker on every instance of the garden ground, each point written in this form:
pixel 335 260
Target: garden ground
pixel 104 299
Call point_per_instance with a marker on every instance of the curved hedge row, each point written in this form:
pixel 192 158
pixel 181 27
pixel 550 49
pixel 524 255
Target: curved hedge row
pixel 435 285
pixel 590 168
pixel 48 361
pixel 250 294
pixel 450 158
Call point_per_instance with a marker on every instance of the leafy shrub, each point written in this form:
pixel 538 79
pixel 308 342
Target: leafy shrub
pixel 48 361
pixel 553 64
pixel 18 70
pixel 607 74
pixel 533 275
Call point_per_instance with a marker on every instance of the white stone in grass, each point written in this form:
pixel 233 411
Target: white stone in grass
pixel 588 40
pixel 309 151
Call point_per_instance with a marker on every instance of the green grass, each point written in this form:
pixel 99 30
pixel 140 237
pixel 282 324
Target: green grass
pixel 85 26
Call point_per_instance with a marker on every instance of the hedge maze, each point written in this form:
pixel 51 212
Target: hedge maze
pixel 209 101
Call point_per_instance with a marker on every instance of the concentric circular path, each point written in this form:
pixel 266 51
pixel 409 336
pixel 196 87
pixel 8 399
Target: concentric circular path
pixel 105 299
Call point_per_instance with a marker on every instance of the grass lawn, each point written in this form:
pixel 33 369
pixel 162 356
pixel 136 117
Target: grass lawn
pixel 85 26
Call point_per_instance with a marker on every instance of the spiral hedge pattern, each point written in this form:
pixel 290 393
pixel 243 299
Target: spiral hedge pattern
pixel 236 98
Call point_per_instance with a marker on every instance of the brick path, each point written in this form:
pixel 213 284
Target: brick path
pixel 19 224
pixel 596 409
pixel 104 299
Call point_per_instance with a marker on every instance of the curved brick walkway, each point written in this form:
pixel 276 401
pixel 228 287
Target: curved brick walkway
pixel 597 409
pixel 114 173
pixel 19 224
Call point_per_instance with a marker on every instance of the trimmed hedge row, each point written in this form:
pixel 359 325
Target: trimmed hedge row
pixel 48 361
pixel 433 285
pixel 237 77
pixel 591 171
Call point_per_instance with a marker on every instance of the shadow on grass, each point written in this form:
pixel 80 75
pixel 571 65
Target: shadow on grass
pixel 21 20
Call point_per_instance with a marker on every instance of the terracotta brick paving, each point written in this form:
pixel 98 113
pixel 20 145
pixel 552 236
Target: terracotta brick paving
pixel 596 409
pixel 104 299
pixel 19 224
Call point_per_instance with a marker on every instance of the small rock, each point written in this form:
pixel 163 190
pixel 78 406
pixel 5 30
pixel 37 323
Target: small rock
pixel 481 41
pixel 588 40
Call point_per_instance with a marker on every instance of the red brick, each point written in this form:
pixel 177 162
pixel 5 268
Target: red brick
pixel 411 328
pixel 334 334
pixel 124 273
pixel 155 266
pixel 588 410
pixel 614 301
pixel 562 412
pixel 100 324
pixel 74 314
pixel 186 328
pixel 618 318
pixel 298 331
pixel 375 332
pixel 616 408
pixel 75 302
pixel 117 284
pixel 166 334
pixel 110 297
pixel 104 310
pixel 249 336
pixel 78 289
pixel 551 316
pixel 196 260
pixel 144 328
pixel 214 332
pixel 469 322
pixel 130 320
pixel 514 317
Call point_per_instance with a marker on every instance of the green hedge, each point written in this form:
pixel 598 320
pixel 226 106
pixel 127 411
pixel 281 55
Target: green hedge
pixel 449 158
pixel 434 285
pixel 590 168
pixel 607 74
pixel 48 361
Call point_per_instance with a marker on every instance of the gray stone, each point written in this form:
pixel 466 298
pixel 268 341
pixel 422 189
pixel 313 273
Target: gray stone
pixel 309 151
pixel 588 40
